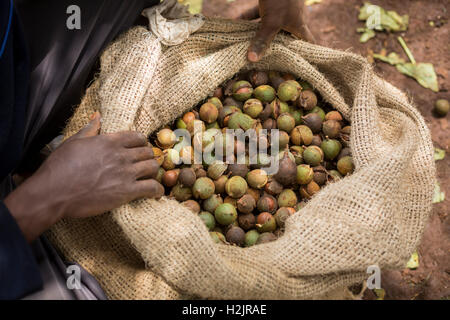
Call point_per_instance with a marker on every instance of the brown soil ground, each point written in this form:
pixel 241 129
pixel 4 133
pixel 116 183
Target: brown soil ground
pixel 334 23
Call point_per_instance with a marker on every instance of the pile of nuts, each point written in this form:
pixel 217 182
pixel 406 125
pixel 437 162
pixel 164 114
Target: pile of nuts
pixel 241 202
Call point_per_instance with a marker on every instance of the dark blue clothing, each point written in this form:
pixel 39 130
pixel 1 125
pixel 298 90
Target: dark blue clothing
pixel 33 95
pixel 19 273
pixel 14 73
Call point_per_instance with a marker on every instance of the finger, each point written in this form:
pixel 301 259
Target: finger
pixel 261 41
pixel 129 139
pixel 91 129
pixel 147 169
pixel 249 14
pixel 302 33
pixel 140 154
pixel 148 189
pixel 308 34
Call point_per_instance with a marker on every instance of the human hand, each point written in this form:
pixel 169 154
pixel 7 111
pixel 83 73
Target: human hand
pixel 87 175
pixel 278 15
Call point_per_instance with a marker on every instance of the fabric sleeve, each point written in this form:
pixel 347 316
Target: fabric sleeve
pixel 19 272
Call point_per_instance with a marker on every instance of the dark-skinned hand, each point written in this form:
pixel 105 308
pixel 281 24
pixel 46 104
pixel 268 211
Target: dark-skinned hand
pixel 277 15
pixel 87 175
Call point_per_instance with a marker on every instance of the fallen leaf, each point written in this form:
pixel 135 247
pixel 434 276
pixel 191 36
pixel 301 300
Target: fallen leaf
pixel 413 262
pixel 367 34
pixel 392 58
pixel 400 23
pixel 406 49
pixel 438 195
pixel 439 154
pixel 195 6
pixel 422 72
pixel 380 293
pixel 311 2
pixel 377 18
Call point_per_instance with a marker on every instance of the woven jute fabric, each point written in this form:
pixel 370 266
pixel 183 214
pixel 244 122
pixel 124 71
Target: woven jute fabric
pixel 157 249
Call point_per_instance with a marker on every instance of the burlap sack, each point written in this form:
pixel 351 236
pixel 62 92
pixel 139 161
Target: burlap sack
pixel 152 249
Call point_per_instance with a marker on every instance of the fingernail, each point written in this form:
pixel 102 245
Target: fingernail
pixel 94 115
pixel 253 56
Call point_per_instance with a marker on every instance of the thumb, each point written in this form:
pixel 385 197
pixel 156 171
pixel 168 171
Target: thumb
pixel 91 129
pixel 261 42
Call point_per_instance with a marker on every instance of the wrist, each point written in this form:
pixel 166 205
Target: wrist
pixel 34 208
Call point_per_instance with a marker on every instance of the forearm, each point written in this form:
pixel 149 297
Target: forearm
pixel 33 209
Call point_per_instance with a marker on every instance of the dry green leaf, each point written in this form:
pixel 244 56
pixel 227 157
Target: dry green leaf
pixel 406 49
pixel 367 34
pixel 311 2
pixel 413 262
pixel 364 13
pixel 438 195
pixel 380 293
pixel 423 72
pixel 439 154
pixel 379 19
pixel 400 21
pixel 392 58
pixel 195 6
